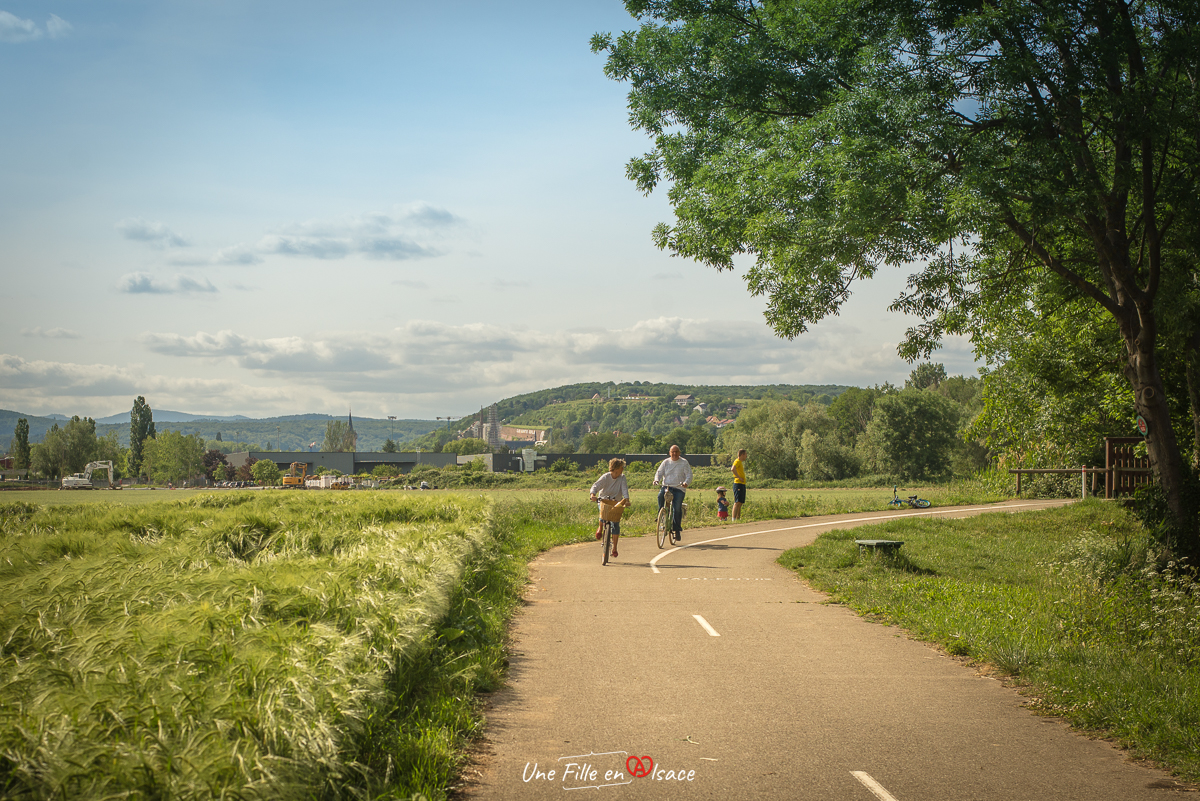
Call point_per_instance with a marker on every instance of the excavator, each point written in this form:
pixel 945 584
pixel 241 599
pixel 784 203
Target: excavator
pixel 84 480
pixel 297 472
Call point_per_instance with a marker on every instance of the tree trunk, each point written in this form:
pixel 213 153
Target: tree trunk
pixel 1165 457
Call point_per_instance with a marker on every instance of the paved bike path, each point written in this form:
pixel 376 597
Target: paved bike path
pixel 769 693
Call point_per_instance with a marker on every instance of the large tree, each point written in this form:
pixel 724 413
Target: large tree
pixel 20 444
pixel 339 437
pixel 173 456
pixel 141 427
pixel 1008 151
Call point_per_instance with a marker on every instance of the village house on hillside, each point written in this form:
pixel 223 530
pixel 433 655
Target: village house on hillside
pixel 684 400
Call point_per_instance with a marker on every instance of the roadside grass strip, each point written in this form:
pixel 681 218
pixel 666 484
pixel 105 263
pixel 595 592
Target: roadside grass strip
pixel 245 645
pixel 1087 616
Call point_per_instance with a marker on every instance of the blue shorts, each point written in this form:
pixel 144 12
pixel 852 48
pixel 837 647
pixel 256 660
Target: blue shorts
pixel 739 493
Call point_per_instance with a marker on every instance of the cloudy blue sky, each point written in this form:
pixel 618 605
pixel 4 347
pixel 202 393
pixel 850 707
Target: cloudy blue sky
pixel 406 208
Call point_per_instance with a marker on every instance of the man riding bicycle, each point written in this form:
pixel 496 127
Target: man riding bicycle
pixel 674 474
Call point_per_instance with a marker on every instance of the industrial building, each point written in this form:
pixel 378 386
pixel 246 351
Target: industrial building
pixel 346 463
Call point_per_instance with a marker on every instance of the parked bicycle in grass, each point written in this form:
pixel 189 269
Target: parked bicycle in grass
pixel 611 492
pixel 674 474
pixel 912 500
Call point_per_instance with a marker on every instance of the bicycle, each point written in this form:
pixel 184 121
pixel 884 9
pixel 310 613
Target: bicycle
pixel 666 520
pixel 913 501
pixel 614 508
pixel 606 540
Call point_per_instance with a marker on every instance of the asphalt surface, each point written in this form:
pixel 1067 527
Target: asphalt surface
pixel 718 674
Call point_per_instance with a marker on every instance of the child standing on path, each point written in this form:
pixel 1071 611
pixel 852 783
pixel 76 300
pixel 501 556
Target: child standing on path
pixel 722 505
pixel 739 482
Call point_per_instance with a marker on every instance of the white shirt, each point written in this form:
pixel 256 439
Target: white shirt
pixel 674 473
pixel 608 487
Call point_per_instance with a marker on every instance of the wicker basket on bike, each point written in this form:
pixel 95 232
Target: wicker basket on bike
pixel 611 510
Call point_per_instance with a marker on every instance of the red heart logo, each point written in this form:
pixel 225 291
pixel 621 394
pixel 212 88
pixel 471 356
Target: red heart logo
pixel 639 766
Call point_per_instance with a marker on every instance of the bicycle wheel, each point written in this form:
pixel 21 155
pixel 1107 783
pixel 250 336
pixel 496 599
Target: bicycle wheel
pixel 921 503
pixel 606 541
pixel 664 525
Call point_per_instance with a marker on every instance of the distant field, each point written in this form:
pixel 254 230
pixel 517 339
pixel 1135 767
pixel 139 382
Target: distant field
pixel 764 504
pixel 120 497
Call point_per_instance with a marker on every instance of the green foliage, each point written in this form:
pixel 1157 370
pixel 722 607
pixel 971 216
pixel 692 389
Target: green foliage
pixel 913 434
pixel 68 449
pixel 389 446
pixel 1151 508
pixel 141 428
pixel 266 473
pixel 173 457
pixel 926 376
pixel 564 466
pixel 339 437
pixel 1038 159
pixel 466 446
pixel 853 410
pixel 605 442
pixel 787 440
pixel 20 444
pixel 1057 388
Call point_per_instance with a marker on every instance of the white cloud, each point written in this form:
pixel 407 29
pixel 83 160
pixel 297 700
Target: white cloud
pixel 57 27
pixel 430 357
pixel 97 389
pixel 51 333
pixel 423 368
pixel 392 237
pixel 14 30
pixel 144 283
pixel 157 234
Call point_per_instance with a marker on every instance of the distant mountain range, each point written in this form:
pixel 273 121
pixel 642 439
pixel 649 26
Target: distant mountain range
pixel 167 416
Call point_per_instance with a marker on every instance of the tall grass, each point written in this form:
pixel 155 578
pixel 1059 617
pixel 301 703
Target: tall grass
pixel 253 646
pixel 1076 604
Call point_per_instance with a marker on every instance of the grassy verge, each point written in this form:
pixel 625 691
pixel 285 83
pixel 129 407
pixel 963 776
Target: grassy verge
pixel 1073 604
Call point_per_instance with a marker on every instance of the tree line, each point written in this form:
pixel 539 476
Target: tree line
pixel 1036 162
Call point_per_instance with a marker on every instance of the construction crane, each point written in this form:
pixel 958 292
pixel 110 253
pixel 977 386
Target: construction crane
pixel 84 480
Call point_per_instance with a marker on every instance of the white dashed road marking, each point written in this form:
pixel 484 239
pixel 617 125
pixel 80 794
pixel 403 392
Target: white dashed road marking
pixel 872 785
pixel 707 627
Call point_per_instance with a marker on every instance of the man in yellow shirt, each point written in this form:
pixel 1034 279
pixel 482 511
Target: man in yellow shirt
pixel 739 482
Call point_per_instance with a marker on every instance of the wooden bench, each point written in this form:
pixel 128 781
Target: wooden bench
pixel 888 547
